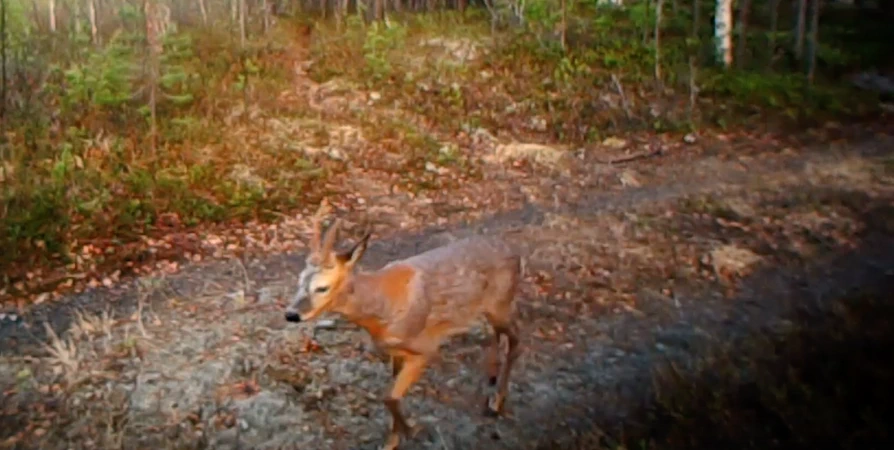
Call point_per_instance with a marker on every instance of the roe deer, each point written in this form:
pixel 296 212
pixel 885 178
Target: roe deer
pixel 411 306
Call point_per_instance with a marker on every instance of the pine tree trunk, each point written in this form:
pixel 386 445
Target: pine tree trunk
pixel 742 26
pixel 774 26
pixel 800 28
pixel 814 41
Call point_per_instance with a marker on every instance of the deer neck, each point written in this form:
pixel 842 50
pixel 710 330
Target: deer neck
pixel 360 301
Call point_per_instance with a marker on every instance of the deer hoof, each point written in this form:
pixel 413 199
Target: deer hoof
pixel 409 430
pixel 492 408
pixel 392 442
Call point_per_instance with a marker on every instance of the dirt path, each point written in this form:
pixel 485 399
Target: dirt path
pixel 621 277
pixel 629 266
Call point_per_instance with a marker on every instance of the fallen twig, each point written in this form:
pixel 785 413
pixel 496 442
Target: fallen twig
pixel 633 157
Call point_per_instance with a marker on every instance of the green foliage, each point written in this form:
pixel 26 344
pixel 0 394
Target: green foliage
pixel 381 40
pixel 73 152
pixel 104 79
pixel 789 94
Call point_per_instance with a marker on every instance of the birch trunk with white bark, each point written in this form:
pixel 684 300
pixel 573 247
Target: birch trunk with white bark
pixel 723 32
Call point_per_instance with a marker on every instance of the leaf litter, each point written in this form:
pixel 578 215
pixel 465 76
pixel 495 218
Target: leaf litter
pixel 222 369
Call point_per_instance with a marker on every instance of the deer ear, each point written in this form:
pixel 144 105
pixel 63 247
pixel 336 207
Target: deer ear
pixel 350 258
pixel 325 252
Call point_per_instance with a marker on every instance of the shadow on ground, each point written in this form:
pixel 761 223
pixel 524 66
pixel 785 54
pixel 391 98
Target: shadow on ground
pixel 813 377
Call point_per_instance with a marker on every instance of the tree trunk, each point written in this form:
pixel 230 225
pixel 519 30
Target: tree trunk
pixel 3 64
pixel 52 8
pixel 659 8
pixel 94 28
pixel 203 11
pixel 379 10
pixel 341 12
pixel 742 25
pixel 564 25
pixel 153 44
pixel 814 41
pixel 774 26
pixel 696 17
pixel 800 26
pixel 265 6
pixel 242 23
pixel 723 40
pixel 78 13
pixel 646 30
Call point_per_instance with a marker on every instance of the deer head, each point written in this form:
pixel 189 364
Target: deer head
pixel 321 285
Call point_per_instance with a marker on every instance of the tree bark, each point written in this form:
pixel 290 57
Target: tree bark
pixel 265 5
pixel 696 17
pixel 3 62
pixel 153 44
pixel 564 25
pixel 52 7
pixel 242 24
pixel 742 37
pixel 94 28
pixel 204 11
pixel 723 41
pixel 659 8
pixel 774 26
pixel 379 10
pixel 800 27
pixel 814 41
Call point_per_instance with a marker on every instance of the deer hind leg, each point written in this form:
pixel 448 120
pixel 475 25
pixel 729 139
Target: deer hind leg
pixel 411 369
pixel 494 406
pixel 499 313
pixel 492 360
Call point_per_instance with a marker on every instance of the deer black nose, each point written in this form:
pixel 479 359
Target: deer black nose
pixel 293 317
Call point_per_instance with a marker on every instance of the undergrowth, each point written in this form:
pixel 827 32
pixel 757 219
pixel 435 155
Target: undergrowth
pixel 604 82
pixel 78 162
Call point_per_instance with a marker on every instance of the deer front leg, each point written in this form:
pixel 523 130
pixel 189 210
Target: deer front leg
pixel 412 367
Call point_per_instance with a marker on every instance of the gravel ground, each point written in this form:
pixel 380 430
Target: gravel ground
pixel 620 279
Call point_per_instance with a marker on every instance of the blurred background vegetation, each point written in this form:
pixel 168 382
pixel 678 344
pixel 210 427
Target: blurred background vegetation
pixel 119 113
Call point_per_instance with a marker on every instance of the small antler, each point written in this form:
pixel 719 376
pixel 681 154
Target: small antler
pixel 317 223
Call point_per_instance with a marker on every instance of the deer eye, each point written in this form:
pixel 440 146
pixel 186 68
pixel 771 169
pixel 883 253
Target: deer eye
pixel 321 289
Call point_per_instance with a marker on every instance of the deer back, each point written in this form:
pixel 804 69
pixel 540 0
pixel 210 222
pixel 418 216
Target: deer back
pixel 447 287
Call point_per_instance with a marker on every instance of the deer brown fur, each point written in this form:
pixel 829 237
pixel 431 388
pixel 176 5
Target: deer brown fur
pixel 411 306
